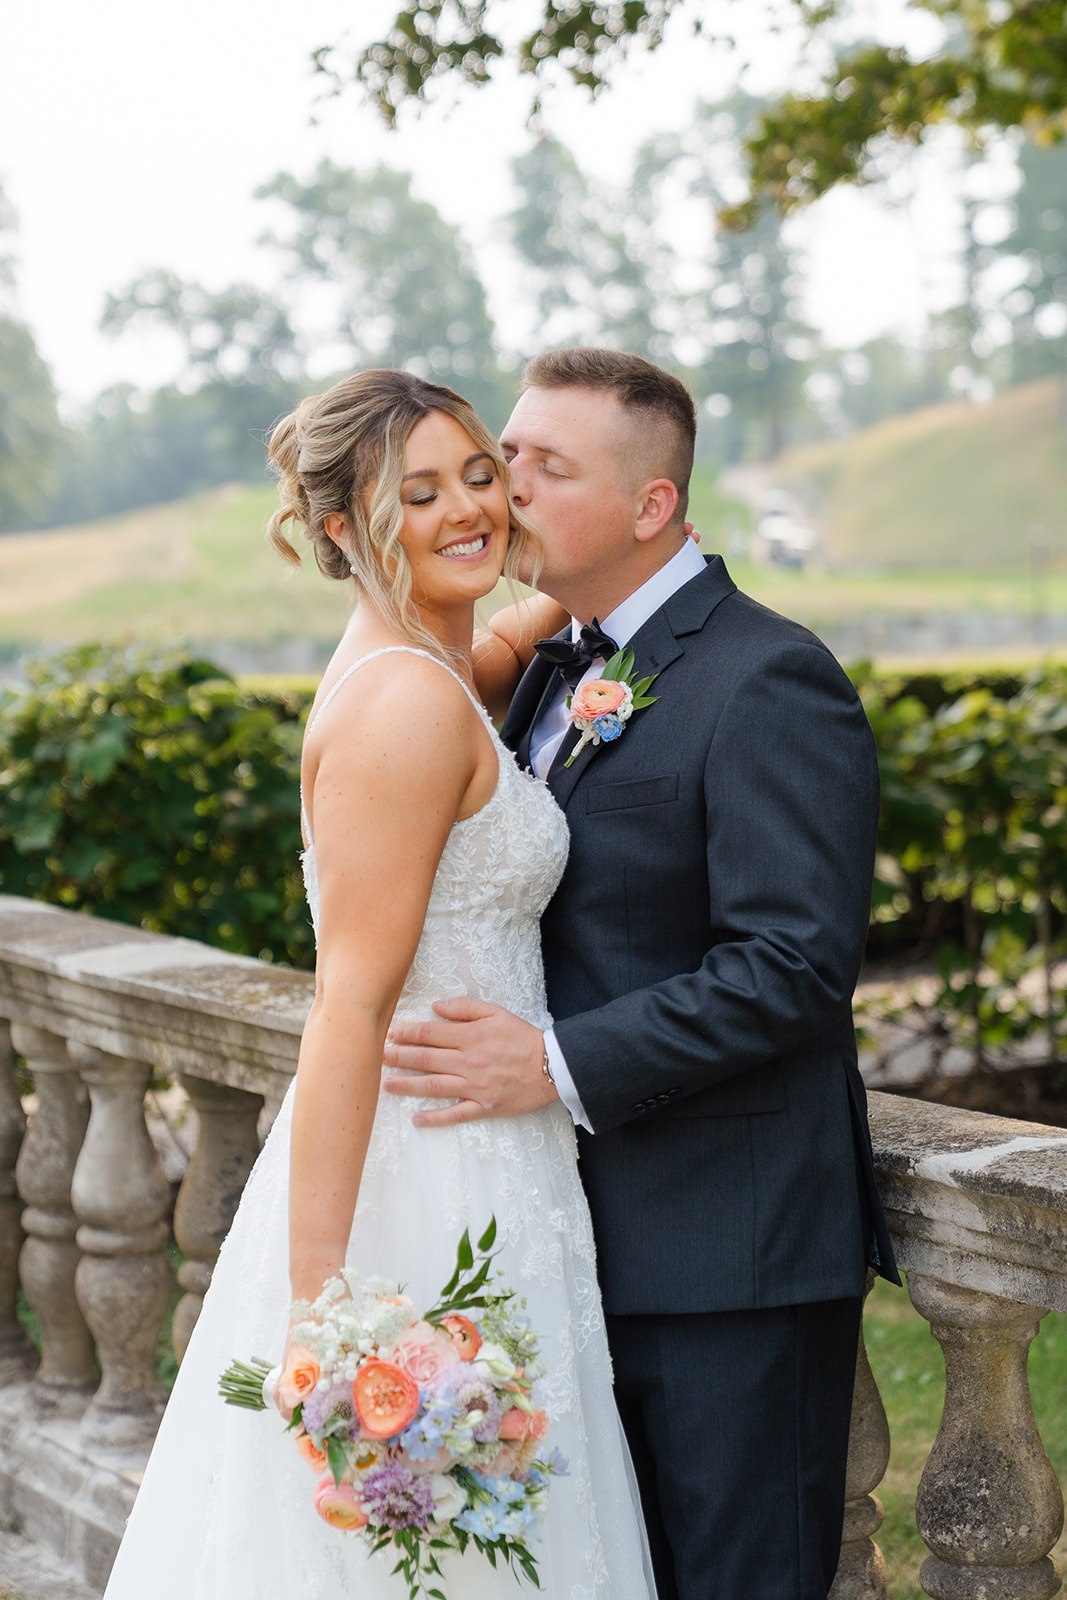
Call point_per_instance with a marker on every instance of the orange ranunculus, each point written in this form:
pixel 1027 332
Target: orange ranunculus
pixel 386 1398
pixel 299 1376
pixel 315 1458
pixel 339 1504
pixel 596 697
pixel 465 1336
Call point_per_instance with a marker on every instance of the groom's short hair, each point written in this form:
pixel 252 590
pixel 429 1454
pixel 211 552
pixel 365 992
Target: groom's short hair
pixel 655 397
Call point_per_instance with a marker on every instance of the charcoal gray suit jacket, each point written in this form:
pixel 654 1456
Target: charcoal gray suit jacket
pixel 701 953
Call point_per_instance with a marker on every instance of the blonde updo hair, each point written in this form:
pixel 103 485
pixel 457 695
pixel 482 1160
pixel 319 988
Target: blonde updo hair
pixel 332 448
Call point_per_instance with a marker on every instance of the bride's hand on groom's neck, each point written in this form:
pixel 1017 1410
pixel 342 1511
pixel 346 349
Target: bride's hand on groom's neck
pixel 486 1060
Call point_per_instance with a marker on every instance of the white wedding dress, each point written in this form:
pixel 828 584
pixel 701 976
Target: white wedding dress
pixel 225 1508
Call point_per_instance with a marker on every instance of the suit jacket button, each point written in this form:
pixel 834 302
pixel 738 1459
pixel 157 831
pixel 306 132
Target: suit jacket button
pixel 638 1108
pixel 662 1099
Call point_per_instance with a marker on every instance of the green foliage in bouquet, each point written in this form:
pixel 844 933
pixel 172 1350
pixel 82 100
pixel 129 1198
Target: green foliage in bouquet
pixel 149 788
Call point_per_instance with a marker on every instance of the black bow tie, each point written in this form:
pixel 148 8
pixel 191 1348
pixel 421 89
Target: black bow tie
pixel 573 660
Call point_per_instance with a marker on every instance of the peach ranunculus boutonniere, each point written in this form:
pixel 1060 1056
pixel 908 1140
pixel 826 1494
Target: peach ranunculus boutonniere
pixel 602 707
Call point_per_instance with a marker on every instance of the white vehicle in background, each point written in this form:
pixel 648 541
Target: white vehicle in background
pixel 783 538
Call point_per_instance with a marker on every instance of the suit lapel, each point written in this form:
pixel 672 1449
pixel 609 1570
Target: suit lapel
pixel 654 647
pixel 534 687
pixel 661 640
pixel 656 644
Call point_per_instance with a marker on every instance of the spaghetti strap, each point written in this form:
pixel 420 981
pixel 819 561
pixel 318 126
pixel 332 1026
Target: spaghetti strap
pixel 387 650
pixel 392 650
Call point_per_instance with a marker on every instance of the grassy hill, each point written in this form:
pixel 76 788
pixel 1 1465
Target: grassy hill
pixel 951 485
pixel 927 513
pixel 198 570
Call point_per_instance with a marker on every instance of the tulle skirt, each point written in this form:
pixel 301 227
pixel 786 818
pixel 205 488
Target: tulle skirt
pixel 225 1508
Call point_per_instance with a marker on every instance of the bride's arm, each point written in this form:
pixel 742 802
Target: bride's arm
pixel 504 649
pixel 387 789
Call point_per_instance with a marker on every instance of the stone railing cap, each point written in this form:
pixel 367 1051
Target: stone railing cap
pixel 970 1150
pixel 154 966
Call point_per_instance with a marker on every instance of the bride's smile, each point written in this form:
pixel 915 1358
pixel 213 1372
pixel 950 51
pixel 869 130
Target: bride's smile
pixel 456 515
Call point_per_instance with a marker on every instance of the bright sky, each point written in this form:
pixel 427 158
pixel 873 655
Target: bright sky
pixel 132 136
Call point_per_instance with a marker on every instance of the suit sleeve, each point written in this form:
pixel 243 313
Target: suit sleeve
pixel 791 804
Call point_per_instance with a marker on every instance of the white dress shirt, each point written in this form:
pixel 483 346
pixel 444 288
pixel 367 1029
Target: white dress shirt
pixel 552 725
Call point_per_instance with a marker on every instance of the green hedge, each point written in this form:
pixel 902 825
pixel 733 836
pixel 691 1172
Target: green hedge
pixel 972 858
pixel 155 790
pixel 150 788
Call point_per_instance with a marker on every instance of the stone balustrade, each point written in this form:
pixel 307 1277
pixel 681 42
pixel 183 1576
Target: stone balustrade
pixel 977 1206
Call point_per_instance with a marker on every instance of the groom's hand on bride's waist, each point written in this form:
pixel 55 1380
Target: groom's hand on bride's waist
pixel 481 1056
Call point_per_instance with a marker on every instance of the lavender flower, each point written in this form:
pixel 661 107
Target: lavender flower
pixel 326 1405
pixel 394 1498
pixel 469 1391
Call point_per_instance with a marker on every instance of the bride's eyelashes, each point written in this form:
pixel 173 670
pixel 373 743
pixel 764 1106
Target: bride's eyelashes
pixel 484 480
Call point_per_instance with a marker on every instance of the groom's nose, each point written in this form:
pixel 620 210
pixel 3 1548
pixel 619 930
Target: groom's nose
pixel 520 483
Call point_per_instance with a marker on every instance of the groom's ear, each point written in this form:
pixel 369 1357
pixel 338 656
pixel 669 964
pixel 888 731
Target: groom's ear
pixel 657 506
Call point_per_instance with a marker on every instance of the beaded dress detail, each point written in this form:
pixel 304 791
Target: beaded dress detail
pixel 233 1480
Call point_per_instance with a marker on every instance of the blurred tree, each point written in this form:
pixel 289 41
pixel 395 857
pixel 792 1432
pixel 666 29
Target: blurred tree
pixel 733 310
pixel 999 64
pixel 31 433
pixel 134 449
pixel 1037 305
pixel 585 255
pixel 237 335
pixel 401 289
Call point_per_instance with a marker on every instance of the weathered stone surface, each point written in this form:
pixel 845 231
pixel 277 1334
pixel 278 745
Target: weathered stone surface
pixel 976 1200
pixel 226 1148
pixel 53 1494
pixel 989 1507
pixel 50 1256
pixel 123 1282
pixel 172 1002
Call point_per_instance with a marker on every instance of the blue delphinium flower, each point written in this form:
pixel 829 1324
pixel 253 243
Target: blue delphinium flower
pixel 608 726
pixel 426 1434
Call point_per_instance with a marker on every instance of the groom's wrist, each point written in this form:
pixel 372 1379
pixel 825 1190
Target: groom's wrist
pixel 564 1083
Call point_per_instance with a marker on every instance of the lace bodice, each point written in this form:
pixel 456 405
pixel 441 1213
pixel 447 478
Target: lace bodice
pixel 498 871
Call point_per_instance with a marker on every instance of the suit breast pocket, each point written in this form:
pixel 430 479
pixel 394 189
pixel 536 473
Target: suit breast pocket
pixel 637 792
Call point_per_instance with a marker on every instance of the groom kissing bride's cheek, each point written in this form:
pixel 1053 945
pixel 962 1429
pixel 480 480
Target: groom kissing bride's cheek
pixel 720 787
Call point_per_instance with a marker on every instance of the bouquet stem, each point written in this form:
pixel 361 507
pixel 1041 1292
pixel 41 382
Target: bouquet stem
pixel 242 1384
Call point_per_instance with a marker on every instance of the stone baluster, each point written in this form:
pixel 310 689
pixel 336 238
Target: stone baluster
pixel 18 1356
pixel 49 1256
pixel 226 1146
pixel 861 1571
pixel 124 1282
pixel 989 1507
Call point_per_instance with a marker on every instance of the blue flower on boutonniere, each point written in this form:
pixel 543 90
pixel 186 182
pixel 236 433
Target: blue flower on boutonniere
pixel 602 707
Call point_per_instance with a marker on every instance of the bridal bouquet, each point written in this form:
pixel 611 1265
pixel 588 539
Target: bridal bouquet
pixel 421 1430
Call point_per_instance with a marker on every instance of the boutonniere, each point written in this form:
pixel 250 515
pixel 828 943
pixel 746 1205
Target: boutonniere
pixel 602 707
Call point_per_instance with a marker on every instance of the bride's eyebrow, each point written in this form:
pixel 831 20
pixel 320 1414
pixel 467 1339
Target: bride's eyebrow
pixel 435 472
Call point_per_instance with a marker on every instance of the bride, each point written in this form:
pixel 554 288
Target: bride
pixel 429 860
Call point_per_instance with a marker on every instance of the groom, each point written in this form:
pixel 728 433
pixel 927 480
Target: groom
pixel 700 956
